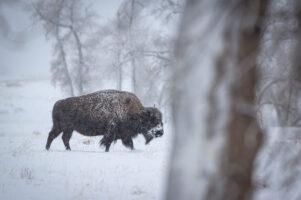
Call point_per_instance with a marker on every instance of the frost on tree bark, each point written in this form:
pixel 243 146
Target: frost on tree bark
pixel 214 78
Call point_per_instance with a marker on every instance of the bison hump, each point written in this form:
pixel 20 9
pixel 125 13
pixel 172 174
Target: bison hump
pixel 109 105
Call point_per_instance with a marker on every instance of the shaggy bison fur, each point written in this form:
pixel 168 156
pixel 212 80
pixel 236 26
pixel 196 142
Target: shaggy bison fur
pixel 111 113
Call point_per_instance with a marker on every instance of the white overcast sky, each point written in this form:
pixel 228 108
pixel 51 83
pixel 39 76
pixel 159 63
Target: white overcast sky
pixel 28 55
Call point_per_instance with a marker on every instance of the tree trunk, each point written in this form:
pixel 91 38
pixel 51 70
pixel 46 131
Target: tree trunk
pixel 118 67
pixel 243 136
pixel 80 75
pixel 134 81
pixel 65 66
pixel 216 134
pixel 131 41
pixel 119 78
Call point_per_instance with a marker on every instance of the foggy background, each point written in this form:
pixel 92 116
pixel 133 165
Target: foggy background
pixel 226 76
pixel 25 53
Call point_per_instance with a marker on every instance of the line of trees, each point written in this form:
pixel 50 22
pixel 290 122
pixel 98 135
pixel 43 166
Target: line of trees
pixel 127 49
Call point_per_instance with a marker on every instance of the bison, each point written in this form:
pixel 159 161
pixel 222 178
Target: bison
pixel 111 113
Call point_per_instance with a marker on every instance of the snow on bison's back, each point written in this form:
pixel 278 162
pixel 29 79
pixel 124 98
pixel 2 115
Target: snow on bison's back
pixel 114 114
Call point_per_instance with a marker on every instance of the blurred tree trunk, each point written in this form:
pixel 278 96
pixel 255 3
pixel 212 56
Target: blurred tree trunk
pixel 217 136
pixel 243 136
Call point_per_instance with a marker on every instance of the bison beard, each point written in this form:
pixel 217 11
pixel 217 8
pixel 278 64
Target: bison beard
pixel 111 113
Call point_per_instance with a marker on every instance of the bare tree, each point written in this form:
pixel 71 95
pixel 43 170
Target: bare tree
pixel 59 66
pixel 68 22
pixel 279 87
pixel 115 42
pixel 141 52
pixel 217 136
pixel 51 17
pixel 128 14
pixel 167 9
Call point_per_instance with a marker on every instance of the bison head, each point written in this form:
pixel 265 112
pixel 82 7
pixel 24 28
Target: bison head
pixel 152 123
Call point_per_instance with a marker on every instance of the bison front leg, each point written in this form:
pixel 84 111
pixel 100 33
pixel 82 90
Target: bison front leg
pixel 66 138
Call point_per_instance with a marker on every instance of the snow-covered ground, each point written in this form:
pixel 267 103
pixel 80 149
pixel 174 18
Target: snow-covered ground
pixel 28 171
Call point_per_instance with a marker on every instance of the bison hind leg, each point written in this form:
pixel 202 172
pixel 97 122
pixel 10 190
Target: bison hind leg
pixel 66 138
pixel 55 131
pixel 128 142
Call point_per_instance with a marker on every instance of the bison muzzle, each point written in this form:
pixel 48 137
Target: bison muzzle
pixel 111 113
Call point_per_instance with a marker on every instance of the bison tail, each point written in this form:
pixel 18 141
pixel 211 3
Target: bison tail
pixel 52 135
pixel 56 115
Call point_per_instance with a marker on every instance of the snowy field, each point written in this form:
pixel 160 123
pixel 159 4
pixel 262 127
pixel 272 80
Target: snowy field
pixel 28 171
